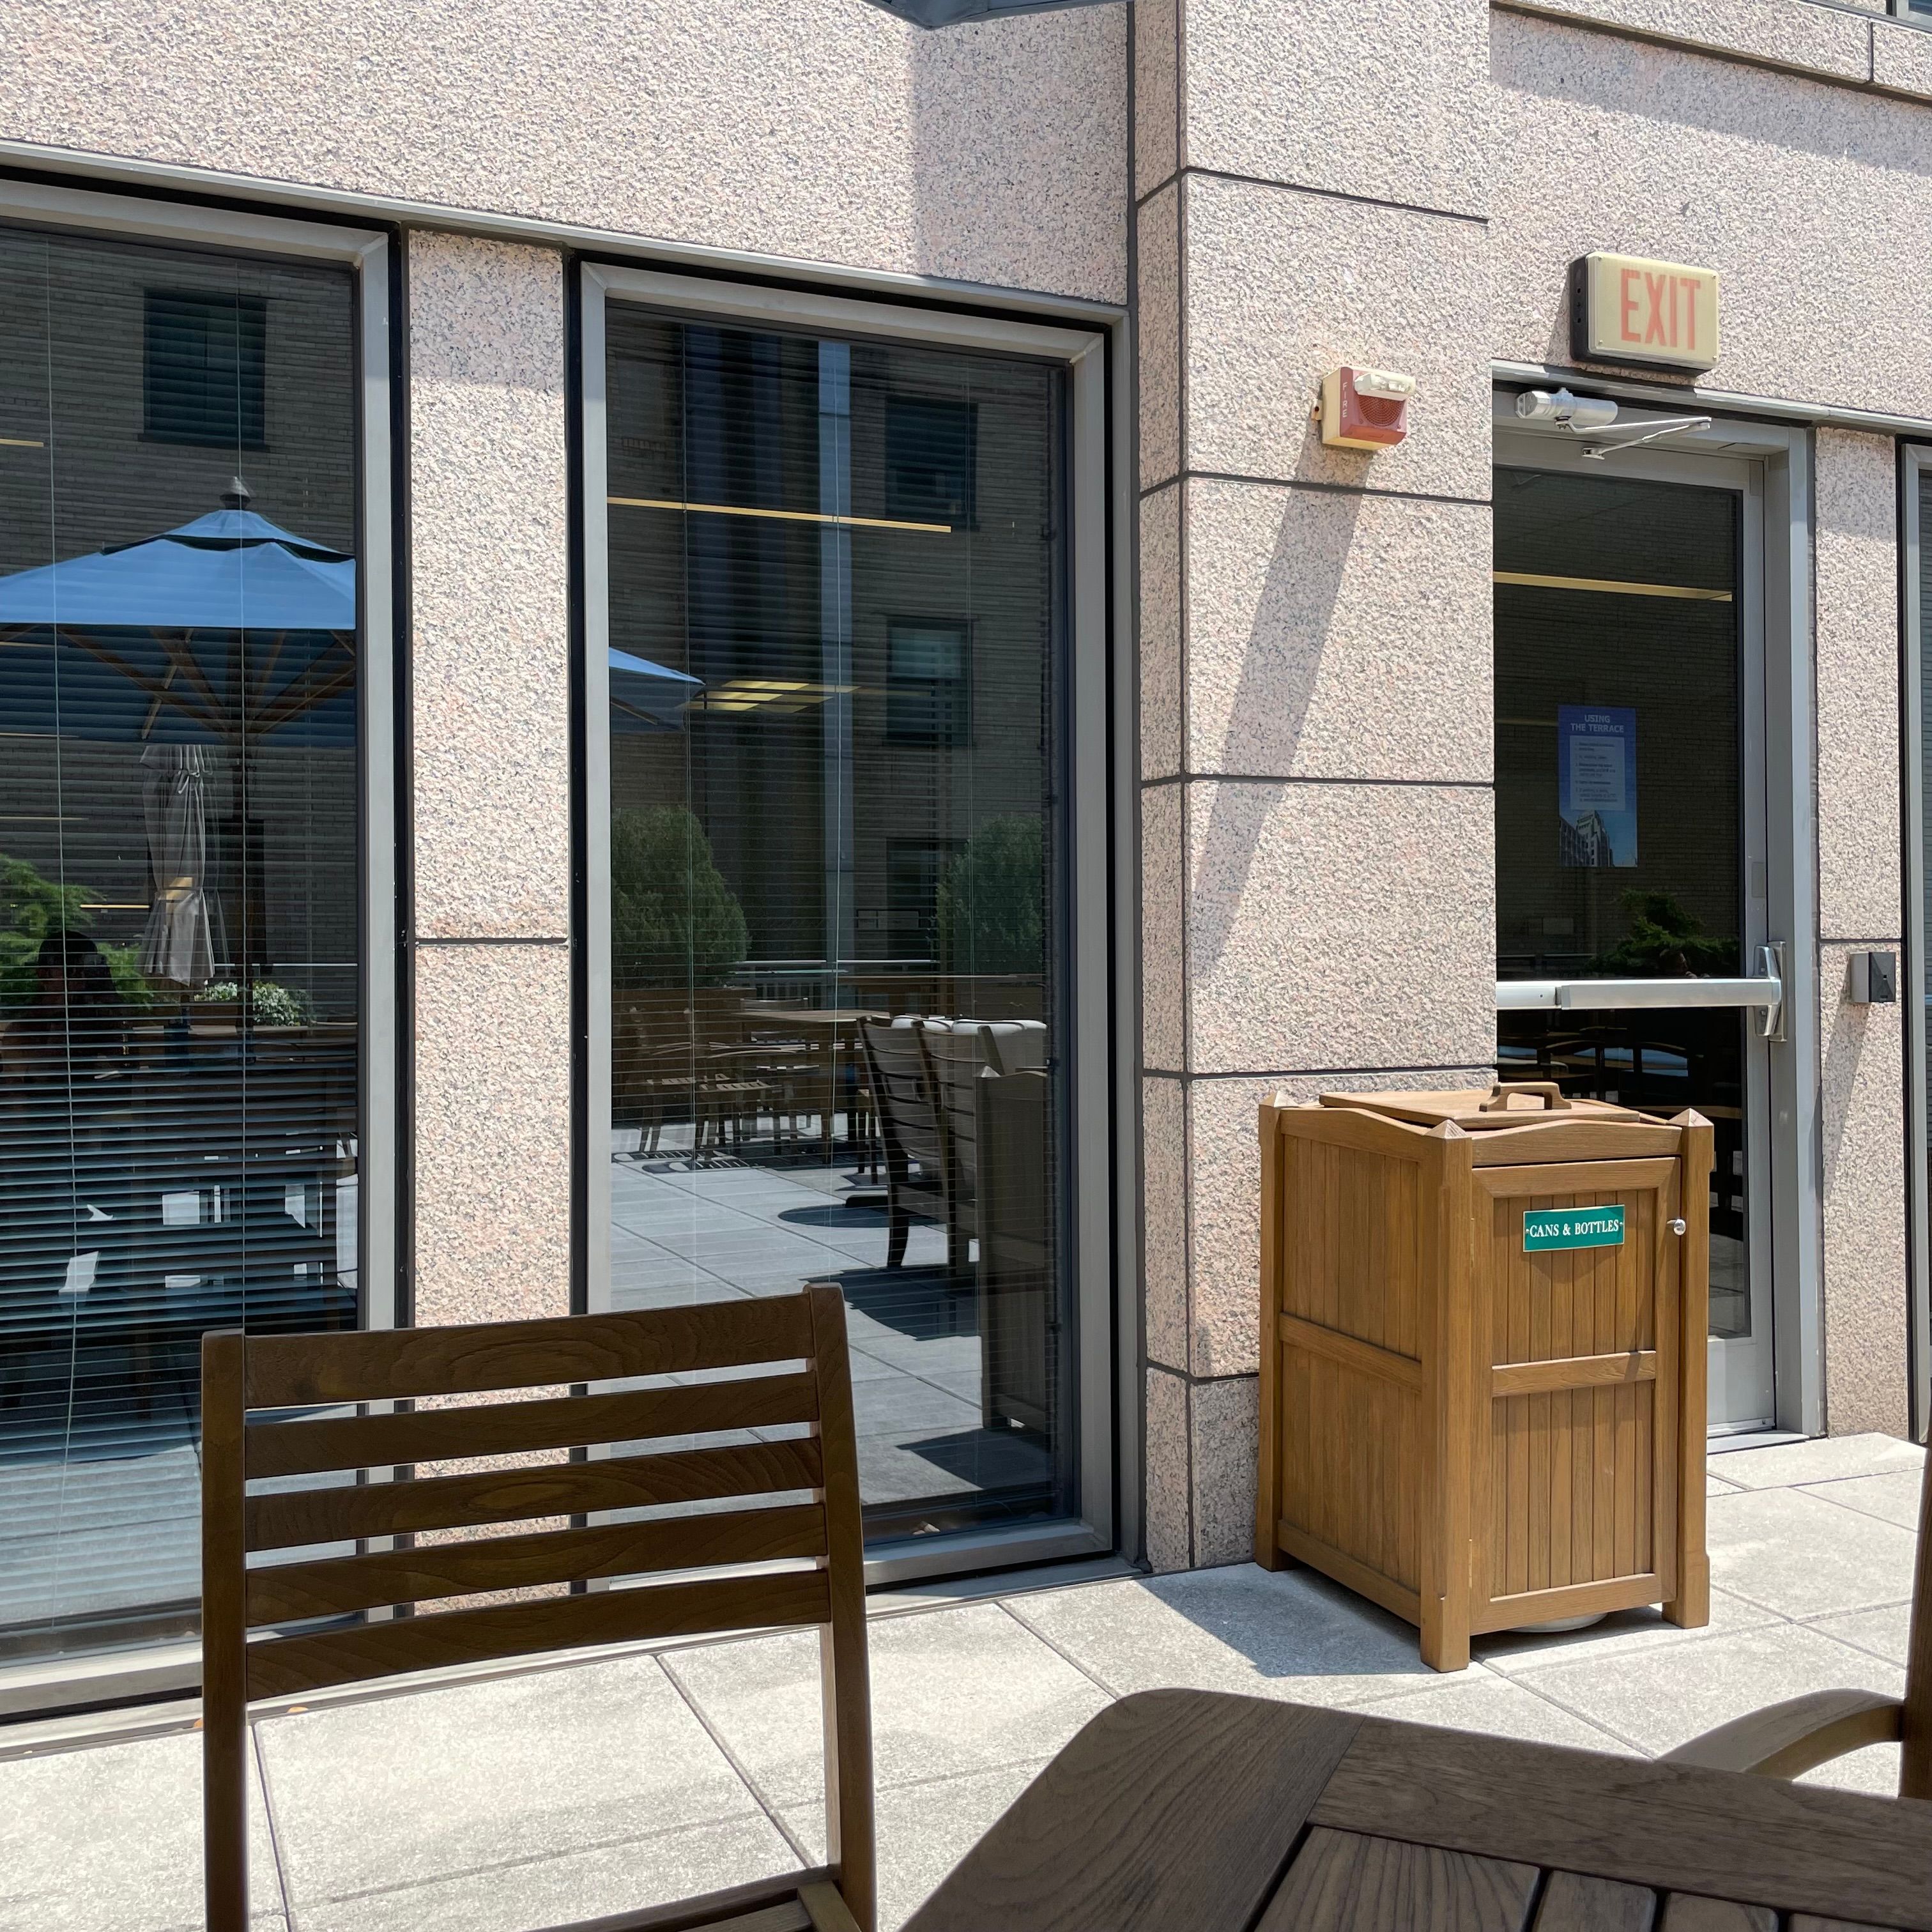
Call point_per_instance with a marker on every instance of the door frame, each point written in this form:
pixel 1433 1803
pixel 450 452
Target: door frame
pixel 1777 462
pixel 1915 467
pixel 1093 801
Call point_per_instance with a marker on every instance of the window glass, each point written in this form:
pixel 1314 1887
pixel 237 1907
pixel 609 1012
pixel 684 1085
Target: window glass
pixel 205 378
pixel 928 684
pixel 178 921
pixel 837 905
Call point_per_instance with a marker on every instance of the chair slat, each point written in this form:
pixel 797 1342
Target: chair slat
pixel 559 1422
pixel 380 1365
pixel 511 1495
pixel 287 1592
pixel 288 1666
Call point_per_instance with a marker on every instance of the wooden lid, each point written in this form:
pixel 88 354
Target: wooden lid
pixel 1513 1103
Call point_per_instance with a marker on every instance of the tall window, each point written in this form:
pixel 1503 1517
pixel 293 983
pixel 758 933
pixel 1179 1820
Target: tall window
pixel 178 894
pixel 837 900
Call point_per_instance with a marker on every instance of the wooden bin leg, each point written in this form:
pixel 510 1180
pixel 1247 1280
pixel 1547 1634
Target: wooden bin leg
pixel 1268 1551
pixel 1445 1639
pixel 1691 1606
pixel 1450 1422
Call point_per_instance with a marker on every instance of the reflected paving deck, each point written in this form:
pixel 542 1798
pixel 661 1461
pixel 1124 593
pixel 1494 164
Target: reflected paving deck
pixel 684 1232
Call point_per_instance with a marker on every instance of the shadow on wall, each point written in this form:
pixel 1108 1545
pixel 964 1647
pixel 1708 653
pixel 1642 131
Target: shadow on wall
pixel 1019 145
pixel 1844 1049
pixel 1281 666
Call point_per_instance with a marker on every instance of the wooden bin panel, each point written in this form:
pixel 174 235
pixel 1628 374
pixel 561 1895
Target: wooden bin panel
pixel 1580 1484
pixel 1351 1246
pixel 1349 1344
pixel 1351 1447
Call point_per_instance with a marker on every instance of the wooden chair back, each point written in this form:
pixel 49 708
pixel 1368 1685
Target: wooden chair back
pixel 793 1500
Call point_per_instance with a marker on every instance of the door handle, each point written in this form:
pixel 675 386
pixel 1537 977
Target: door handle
pixel 1766 992
pixel 1678 1224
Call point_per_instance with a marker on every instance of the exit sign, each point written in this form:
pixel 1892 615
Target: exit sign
pixel 1624 308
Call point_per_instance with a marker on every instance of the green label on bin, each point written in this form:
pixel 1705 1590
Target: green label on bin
pixel 1573 1228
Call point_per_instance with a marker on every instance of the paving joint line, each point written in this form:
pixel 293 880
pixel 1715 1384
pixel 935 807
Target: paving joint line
pixel 1589 1722
pixel 744 1777
pixel 524 1860
pixel 274 1836
pixel 1059 1651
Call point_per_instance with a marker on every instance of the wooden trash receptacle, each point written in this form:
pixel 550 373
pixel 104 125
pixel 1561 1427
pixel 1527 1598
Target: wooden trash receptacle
pixel 1483 1356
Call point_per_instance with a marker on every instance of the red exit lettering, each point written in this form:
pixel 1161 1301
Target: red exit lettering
pixel 1669 309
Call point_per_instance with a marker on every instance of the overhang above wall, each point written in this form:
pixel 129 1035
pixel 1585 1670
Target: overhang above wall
pixel 950 13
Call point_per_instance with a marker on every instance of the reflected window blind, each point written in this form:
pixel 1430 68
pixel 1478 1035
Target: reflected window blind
pixel 837 622
pixel 179 920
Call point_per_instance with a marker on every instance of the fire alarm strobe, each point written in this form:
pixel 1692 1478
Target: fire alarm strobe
pixel 1365 409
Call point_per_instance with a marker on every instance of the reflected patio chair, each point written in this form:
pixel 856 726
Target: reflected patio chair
pixel 653 1084
pixel 782 1549
pixel 897 1072
pixel 1786 1740
pixel 1018 1324
pixel 956 1056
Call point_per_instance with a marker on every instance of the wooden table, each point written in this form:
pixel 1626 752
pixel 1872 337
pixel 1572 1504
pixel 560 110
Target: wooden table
pixel 842 1023
pixel 845 1018
pixel 1189 1811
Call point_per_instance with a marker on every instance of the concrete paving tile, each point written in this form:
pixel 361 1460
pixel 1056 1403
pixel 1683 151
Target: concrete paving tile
pixel 676 1220
pixel 108 1839
pixel 1892 1499
pixel 1288 1634
pixel 1873 1771
pixel 953 1691
pixel 752 1248
pixel 924 1831
pixel 1512 1652
pixel 1884 1633
pixel 1478 1700
pixel 760 1280
pixel 893 1469
pixel 431 1784
pixel 1791 1552
pixel 904 1405
pixel 868 1367
pixel 966 1384
pixel 703 1288
pixel 1715 1485
pixel 1817 1461
pixel 1659 1699
pixel 928 1355
pixel 659 1870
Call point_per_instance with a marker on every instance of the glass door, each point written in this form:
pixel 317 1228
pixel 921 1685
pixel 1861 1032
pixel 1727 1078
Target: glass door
pixel 1633 963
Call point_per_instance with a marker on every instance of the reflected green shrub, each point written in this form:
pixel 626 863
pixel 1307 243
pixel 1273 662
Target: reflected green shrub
pixel 674 921
pixel 992 899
